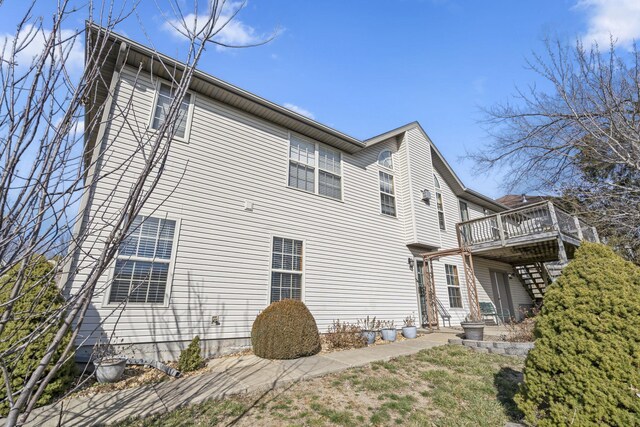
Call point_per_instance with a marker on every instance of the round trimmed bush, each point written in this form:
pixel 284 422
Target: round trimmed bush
pixel 585 367
pixel 41 296
pixel 285 330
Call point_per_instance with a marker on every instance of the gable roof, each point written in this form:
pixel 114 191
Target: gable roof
pixel 443 167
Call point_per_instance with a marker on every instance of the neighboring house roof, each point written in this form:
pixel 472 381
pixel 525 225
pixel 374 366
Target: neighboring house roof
pixel 143 57
pixel 517 200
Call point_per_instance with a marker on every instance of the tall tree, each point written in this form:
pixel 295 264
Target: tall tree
pixel 578 138
pixel 48 111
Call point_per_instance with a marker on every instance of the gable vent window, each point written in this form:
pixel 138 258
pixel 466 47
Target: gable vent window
pixel 163 101
pixel 142 265
pixel 305 171
pixel 387 194
pixel 286 269
pixel 439 203
pixel 453 284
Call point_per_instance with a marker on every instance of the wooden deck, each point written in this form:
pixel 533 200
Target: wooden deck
pixel 539 232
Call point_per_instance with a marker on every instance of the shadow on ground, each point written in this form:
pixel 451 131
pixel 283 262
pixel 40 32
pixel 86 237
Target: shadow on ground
pixel 507 381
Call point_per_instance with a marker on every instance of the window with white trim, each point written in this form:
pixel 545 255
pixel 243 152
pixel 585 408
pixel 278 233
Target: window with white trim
pixel 439 204
pixel 387 194
pixel 385 160
pixel 286 269
pixel 142 264
pixel 305 172
pixel 453 284
pixel 164 98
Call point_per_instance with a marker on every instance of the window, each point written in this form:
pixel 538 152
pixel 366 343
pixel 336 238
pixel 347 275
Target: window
pixel 464 211
pixel 286 269
pixel 465 229
pixel 142 265
pixel 163 101
pixel 304 174
pixel 387 194
pixel 439 203
pixel 385 160
pixel 453 284
pixel 329 175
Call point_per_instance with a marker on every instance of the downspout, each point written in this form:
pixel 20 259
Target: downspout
pixel 93 173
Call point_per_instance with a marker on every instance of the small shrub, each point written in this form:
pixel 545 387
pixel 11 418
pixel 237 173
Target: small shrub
pixel 585 367
pixel 285 330
pixel 190 358
pixel 42 297
pixel 343 335
pixel 522 331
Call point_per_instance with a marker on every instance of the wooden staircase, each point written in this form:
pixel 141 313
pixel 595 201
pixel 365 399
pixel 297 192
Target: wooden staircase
pixel 535 277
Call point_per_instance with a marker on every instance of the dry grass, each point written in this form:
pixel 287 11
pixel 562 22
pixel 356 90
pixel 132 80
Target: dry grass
pixel 444 386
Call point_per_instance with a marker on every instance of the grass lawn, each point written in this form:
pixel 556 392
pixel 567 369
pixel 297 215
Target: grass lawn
pixel 443 386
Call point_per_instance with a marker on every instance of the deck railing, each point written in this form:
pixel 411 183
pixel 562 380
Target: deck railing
pixel 530 220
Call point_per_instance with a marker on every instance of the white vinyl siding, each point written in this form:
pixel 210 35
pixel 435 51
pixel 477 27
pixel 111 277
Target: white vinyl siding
pixel 142 266
pixel 164 98
pixel 224 262
pixel 453 285
pixel 387 194
pixel 304 172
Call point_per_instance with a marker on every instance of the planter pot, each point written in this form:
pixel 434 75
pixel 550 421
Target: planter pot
pixel 388 334
pixel 109 370
pixel 410 332
pixel 473 330
pixel 370 336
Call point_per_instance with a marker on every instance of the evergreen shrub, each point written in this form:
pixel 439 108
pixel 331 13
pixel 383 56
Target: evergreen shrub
pixel 585 367
pixel 31 312
pixel 191 358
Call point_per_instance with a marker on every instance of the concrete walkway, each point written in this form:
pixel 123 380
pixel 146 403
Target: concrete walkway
pixel 227 376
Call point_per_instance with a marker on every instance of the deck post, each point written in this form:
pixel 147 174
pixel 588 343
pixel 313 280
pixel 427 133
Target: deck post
pixel 500 229
pixel 562 253
pixel 429 291
pixel 578 228
pixel 472 290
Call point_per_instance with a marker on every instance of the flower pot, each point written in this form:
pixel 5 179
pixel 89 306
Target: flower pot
pixel 410 332
pixel 370 336
pixel 473 330
pixel 109 370
pixel 388 334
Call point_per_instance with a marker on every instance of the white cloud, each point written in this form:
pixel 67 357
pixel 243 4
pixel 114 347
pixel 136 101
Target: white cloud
pixel 299 110
pixel 234 33
pixel 31 42
pixel 607 18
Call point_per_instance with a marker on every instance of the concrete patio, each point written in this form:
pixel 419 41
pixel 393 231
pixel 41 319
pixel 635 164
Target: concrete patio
pixel 227 376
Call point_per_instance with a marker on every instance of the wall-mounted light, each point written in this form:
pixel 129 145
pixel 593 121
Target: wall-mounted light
pixel 410 261
pixel 511 276
pixel 426 196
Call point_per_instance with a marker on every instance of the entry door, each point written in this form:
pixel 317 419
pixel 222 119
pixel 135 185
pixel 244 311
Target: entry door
pixel 502 295
pixel 422 292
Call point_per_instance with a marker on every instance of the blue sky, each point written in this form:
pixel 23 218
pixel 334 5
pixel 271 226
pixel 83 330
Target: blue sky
pixel 365 67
